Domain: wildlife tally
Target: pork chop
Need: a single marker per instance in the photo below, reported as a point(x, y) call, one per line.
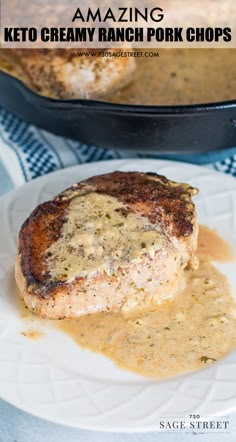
point(68, 73)
point(110, 242)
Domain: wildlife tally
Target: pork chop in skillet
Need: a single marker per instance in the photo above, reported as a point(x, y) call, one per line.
point(72, 73)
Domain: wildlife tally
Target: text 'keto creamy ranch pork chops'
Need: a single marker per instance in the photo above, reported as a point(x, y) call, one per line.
point(108, 243)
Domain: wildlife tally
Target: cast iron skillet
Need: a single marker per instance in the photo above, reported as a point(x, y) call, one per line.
point(153, 129)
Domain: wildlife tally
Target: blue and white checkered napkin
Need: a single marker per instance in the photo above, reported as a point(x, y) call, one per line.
point(27, 152)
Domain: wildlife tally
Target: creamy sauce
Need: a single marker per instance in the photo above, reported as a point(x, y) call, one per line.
point(177, 76)
point(97, 236)
point(34, 335)
point(194, 330)
point(29, 318)
point(182, 76)
point(211, 245)
point(23, 309)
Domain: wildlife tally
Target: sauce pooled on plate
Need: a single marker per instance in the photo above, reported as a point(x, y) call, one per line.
point(190, 332)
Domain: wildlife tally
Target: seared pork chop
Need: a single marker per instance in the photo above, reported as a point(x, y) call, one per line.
point(66, 73)
point(107, 243)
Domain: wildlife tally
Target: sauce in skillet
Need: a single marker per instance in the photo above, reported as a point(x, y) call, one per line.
point(182, 76)
point(191, 332)
point(178, 76)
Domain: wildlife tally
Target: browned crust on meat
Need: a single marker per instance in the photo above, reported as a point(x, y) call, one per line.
point(164, 202)
point(44, 67)
point(38, 232)
point(37, 63)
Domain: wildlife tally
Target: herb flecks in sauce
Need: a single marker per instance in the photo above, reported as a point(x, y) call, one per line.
point(34, 335)
point(191, 332)
point(91, 241)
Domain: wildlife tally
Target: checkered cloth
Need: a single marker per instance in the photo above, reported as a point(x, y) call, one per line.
point(27, 152)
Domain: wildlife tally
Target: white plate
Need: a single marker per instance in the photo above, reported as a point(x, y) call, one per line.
point(55, 379)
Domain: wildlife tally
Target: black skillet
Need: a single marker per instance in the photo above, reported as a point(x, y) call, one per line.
point(153, 129)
